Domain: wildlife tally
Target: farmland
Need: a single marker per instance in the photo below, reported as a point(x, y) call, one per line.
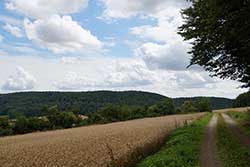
point(97, 145)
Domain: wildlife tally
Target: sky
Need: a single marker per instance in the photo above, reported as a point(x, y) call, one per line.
point(87, 45)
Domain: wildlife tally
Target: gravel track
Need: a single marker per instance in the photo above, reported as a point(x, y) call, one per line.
point(208, 151)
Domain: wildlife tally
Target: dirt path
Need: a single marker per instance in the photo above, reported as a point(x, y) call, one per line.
point(236, 130)
point(208, 156)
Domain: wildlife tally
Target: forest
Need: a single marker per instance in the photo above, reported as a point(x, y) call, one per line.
point(32, 103)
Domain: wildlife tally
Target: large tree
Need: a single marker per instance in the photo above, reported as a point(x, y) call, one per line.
point(220, 33)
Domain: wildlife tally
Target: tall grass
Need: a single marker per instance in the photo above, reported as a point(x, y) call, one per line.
point(231, 152)
point(182, 149)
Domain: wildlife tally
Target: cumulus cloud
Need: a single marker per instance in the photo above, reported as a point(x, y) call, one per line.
point(14, 30)
point(128, 75)
point(167, 57)
point(45, 8)
point(20, 80)
point(60, 34)
point(1, 38)
point(129, 8)
point(192, 80)
point(73, 81)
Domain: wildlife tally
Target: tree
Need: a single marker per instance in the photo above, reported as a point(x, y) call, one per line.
point(243, 100)
point(165, 107)
point(203, 104)
point(220, 34)
point(188, 107)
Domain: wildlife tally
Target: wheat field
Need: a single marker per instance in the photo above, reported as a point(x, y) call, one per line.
point(240, 109)
point(92, 146)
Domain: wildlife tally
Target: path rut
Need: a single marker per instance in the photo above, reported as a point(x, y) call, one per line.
point(208, 150)
point(233, 125)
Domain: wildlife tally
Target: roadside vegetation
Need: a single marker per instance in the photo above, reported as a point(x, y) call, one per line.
point(52, 118)
point(231, 152)
point(243, 118)
point(182, 148)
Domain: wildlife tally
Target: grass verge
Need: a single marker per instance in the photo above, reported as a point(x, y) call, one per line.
point(231, 152)
point(243, 118)
point(182, 148)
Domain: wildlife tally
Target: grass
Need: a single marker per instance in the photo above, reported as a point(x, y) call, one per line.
point(182, 148)
point(243, 118)
point(231, 152)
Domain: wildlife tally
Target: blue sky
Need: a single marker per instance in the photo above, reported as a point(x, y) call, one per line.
point(100, 44)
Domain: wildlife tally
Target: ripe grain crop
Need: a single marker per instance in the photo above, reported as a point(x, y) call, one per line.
point(114, 144)
point(241, 109)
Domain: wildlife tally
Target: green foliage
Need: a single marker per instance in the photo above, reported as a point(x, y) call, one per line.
point(231, 152)
point(243, 118)
point(216, 102)
point(243, 100)
point(5, 127)
point(4, 121)
point(182, 147)
point(114, 113)
point(219, 31)
point(165, 107)
point(188, 107)
point(203, 104)
point(33, 103)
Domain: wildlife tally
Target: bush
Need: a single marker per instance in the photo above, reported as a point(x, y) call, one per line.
point(203, 104)
point(5, 132)
point(188, 107)
point(243, 100)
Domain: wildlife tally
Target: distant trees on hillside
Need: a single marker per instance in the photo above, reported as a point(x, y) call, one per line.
point(201, 104)
point(53, 118)
point(243, 100)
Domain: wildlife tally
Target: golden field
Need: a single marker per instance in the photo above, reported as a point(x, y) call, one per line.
point(241, 109)
point(92, 146)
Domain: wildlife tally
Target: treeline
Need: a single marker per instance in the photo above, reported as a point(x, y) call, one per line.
point(114, 113)
point(31, 103)
point(53, 118)
point(216, 102)
point(243, 100)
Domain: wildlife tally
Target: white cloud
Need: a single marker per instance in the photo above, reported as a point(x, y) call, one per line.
point(14, 30)
point(60, 34)
point(129, 8)
point(168, 57)
point(1, 38)
point(192, 80)
point(103, 73)
point(10, 20)
point(168, 20)
point(20, 80)
point(46, 8)
point(73, 81)
point(130, 74)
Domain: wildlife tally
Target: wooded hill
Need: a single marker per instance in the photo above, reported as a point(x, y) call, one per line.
point(31, 103)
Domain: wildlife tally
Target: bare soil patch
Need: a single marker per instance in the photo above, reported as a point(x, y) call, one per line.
point(208, 152)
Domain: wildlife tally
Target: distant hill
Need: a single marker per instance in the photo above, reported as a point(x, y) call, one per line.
point(217, 102)
point(31, 103)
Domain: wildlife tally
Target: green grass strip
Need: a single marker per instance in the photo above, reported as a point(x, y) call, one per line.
point(231, 152)
point(182, 148)
point(243, 118)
